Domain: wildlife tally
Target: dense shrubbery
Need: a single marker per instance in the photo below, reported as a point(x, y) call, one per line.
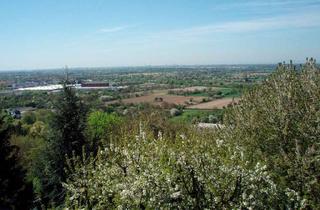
point(266, 156)
point(279, 123)
point(189, 171)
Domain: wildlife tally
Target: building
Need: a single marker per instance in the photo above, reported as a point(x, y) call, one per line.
point(15, 114)
point(210, 126)
point(95, 84)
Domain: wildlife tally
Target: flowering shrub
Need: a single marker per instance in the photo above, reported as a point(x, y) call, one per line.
point(195, 172)
point(279, 124)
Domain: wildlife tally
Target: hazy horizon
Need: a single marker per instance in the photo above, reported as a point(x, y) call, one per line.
point(63, 68)
point(107, 34)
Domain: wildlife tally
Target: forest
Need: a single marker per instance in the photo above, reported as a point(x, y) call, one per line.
point(77, 152)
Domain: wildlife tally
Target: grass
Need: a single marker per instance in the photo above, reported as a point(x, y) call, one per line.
point(230, 92)
point(225, 93)
point(188, 116)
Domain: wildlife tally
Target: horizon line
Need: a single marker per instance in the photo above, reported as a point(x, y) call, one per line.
point(135, 66)
point(140, 66)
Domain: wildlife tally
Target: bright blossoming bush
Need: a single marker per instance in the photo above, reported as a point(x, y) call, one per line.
point(197, 172)
point(279, 124)
point(265, 157)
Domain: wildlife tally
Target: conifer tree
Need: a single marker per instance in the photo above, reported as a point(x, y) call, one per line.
point(66, 138)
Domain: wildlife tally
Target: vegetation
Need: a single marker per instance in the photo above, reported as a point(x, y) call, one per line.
point(66, 137)
point(14, 191)
point(267, 156)
point(100, 126)
point(194, 116)
point(279, 123)
point(76, 153)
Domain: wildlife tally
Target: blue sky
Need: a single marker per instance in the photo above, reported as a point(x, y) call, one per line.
point(39, 34)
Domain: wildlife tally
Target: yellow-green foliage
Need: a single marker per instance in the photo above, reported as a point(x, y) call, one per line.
point(100, 124)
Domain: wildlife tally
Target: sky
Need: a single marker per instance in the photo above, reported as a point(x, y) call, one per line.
point(37, 34)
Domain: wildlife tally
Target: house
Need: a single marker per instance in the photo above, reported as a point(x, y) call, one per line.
point(210, 126)
point(15, 113)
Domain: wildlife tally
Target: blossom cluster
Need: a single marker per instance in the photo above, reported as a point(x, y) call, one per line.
point(201, 170)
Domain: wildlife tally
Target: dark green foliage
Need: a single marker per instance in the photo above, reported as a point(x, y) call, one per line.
point(66, 137)
point(27, 99)
point(29, 118)
point(69, 122)
point(14, 192)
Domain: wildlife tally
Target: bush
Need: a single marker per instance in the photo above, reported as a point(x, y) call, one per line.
point(279, 123)
point(99, 126)
point(29, 118)
point(175, 112)
point(266, 156)
point(187, 172)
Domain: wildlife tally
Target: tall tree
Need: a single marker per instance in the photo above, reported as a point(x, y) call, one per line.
point(66, 137)
point(13, 188)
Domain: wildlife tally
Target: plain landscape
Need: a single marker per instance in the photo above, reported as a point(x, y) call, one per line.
point(176, 104)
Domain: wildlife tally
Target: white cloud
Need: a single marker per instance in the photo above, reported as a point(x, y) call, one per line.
point(116, 29)
point(203, 33)
point(303, 20)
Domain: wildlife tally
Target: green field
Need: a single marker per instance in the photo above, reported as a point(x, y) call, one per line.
point(190, 116)
point(221, 92)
